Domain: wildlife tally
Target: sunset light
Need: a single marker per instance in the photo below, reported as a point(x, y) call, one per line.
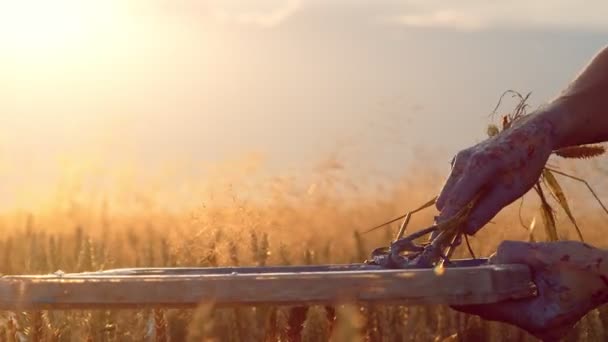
point(303, 170)
point(29, 28)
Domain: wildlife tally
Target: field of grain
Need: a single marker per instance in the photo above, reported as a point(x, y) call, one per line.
point(285, 222)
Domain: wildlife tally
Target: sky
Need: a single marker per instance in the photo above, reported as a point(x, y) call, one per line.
point(374, 84)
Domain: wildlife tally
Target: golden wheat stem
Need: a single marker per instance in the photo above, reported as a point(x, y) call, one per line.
point(466, 240)
point(521, 219)
point(424, 206)
point(403, 227)
point(584, 182)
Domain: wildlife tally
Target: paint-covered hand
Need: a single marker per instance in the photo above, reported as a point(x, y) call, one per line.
point(570, 278)
point(505, 167)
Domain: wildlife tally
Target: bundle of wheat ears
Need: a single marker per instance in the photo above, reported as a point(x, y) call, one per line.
point(451, 230)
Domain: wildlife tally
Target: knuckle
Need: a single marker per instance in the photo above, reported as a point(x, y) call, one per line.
point(461, 159)
point(482, 162)
point(482, 158)
point(463, 155)
point(477, 159)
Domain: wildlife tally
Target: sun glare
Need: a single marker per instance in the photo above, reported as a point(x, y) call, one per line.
point(30, 28)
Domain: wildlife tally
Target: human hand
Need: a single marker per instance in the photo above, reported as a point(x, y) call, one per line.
point(571, 279)
point(505, 167)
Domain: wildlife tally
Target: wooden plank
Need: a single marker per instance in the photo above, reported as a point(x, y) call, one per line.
point(187, 287)
point(257, 269)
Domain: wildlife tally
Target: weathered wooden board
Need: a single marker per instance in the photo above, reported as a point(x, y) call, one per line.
point(182, 287)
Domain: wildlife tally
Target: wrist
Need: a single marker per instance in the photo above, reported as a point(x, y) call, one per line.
point(557, 121)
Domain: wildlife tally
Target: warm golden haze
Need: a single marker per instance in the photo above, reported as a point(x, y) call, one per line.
point(291, 225)
point(56, 33)
point(224, 132)
point(148, 82)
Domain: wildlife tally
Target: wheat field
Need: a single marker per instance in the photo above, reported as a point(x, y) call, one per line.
point(286, 222)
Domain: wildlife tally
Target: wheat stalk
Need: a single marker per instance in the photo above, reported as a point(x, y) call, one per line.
point(547, 178)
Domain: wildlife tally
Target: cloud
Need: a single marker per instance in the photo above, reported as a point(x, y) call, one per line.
point(516, 14)
point(469, 15)
point(257, 13)
point(442, 19)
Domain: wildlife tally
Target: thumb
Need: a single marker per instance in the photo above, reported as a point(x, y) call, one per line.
point(519, 252)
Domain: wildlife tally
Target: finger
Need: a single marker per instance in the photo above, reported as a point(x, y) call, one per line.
point(519, 252)
point(488, 206)
point(453, 177)
point(458, 165)
point(465, 190)
point(511, 252)
point(540, 254)
point(526, 314)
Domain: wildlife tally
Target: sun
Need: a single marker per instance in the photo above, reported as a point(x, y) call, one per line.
point(29, 28)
